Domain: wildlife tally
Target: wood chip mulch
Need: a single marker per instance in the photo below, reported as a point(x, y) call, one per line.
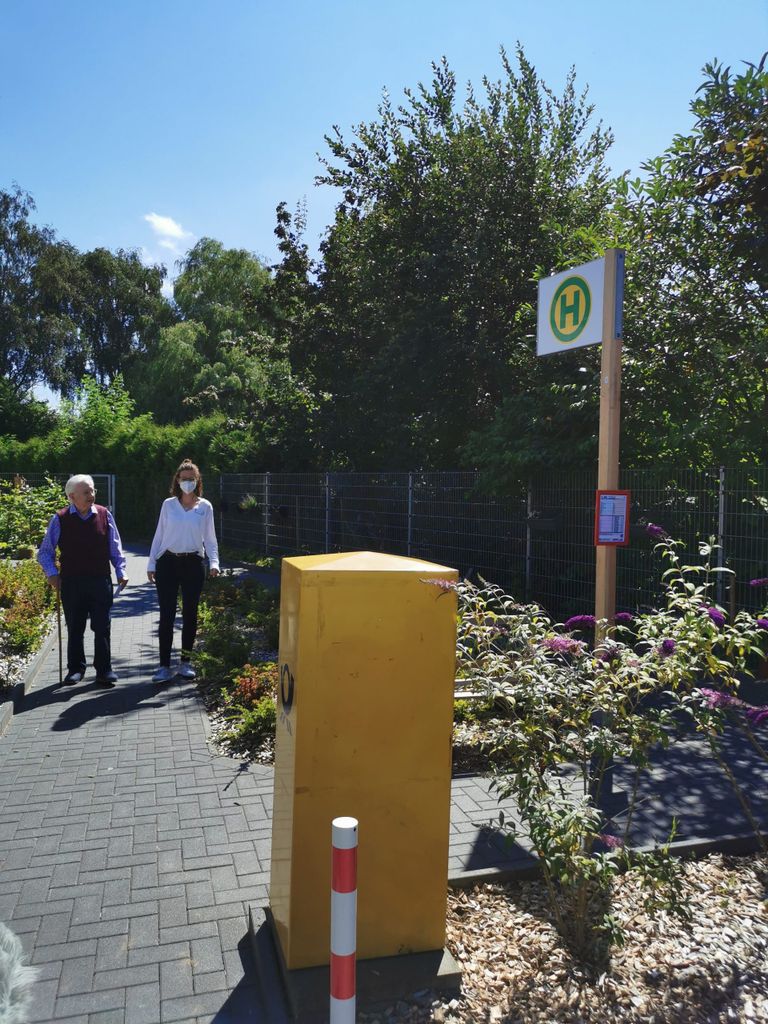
point(516, 969)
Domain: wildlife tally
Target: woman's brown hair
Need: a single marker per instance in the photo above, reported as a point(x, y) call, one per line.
point(175, 490)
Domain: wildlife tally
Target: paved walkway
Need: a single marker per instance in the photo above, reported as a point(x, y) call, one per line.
point(129, 851)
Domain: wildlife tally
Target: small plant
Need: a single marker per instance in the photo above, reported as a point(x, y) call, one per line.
point(25, 513)
point(253, 684)
point(25, 601)
point(577, 700)
point(253, 724)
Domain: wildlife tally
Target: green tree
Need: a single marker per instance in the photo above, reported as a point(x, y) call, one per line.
point(32, 337)
point(119, 310)
point(696, 369)
point(695, 362)
point(423, 316)
point(23, 416)
point(226, 290)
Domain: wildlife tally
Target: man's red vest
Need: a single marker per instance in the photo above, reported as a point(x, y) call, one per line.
point(84, 543)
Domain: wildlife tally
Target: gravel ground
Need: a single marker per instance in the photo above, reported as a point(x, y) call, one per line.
point(517, 971)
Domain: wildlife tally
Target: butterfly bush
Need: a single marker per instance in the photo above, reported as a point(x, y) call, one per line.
point(573, 709)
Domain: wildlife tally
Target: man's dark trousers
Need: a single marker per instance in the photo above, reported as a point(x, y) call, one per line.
point(81, 597)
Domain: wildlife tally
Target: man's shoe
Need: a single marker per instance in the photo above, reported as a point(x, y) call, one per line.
point(72, 679)
point(162, 675)
point(186, 671)
point(106, 680)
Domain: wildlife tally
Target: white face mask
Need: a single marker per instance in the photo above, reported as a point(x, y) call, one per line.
point(187, 485)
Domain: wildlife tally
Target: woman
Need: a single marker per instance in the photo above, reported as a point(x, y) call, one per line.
point(184, 534)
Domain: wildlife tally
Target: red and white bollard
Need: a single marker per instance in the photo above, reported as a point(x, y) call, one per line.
point(343, 920)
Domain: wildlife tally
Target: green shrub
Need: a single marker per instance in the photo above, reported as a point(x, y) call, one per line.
point(25, 513)
point(25, 601)
point(252, 724)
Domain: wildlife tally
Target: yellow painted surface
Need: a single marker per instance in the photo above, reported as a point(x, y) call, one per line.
point(367, 656)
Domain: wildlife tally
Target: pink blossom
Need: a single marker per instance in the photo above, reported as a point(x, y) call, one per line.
point(446, 585)
point(562, 645)
point(718, 699)
point(612, 842)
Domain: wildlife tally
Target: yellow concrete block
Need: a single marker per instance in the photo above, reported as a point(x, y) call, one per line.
point(365, 714)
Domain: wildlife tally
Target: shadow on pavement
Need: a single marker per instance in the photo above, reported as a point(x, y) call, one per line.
point(244, 1002)
point(124, 699)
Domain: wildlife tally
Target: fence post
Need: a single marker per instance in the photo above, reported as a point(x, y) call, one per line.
point(528, 543)
point(266, 513)
point(410, 512)
point(720, 532)
point(327, 513)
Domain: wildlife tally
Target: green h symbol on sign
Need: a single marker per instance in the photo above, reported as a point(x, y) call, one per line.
point(570, 308)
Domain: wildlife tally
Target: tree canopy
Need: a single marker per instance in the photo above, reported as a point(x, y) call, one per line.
point(409, 340)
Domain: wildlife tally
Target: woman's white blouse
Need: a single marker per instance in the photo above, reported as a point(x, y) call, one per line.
point(180, 529)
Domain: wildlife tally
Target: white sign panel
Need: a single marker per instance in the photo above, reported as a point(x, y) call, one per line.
point(570, 310)
point(612, 511)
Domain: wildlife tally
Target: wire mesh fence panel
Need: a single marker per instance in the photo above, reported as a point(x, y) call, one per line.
point(455, 524)
point(242, 501)
point(368, 512)
point(538, 546)
point(297, 513)
point(685, 503)
point(562, 558)
point(746, 535)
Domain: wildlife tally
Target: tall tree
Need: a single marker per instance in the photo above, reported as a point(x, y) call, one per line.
point(32, 337)
point(423, 315)
point(695, 363)
point(119, 310)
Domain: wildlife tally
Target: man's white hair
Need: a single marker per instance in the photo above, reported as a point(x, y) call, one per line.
point(76, 480)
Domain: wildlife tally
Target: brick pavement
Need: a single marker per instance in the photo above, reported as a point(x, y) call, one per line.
point(129, 852)
point(128, 849)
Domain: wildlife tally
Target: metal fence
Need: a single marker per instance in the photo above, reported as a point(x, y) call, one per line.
point(105, 484)
point(538, 544)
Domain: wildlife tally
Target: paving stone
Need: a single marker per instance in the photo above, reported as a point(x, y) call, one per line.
point(77, 975)
point(176, 978)
point(143, 1004)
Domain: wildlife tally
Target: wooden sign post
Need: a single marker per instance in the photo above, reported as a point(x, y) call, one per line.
point(610, 424)
point(578, 307)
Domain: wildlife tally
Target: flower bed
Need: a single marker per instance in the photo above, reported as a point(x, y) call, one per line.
point(26, 601)
point(236, 663)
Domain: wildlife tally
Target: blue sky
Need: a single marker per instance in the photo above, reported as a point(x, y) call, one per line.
point(147, 125)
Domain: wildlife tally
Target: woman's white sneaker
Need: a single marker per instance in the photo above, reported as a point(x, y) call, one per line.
point(162, 675)
point(185, 670)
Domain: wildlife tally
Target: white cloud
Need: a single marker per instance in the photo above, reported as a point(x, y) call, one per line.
point(166, 227)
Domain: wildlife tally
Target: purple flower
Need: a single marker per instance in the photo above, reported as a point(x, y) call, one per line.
point(762, 582)
point(562, 645)
point(612, 842)
point(657, 532)
point(717, 699)
point(667, 647)
point(580, 622)
point(715, 615)
point(445, 585)
point(609, 653)
point(623, 618)
point(755, 716)
point(762, 623)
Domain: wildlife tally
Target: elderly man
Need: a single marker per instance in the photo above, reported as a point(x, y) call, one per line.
point(87, 539)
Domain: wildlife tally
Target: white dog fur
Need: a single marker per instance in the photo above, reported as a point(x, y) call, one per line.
point(15, 979)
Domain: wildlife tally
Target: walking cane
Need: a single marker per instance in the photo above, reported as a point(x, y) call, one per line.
point(58, 624)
